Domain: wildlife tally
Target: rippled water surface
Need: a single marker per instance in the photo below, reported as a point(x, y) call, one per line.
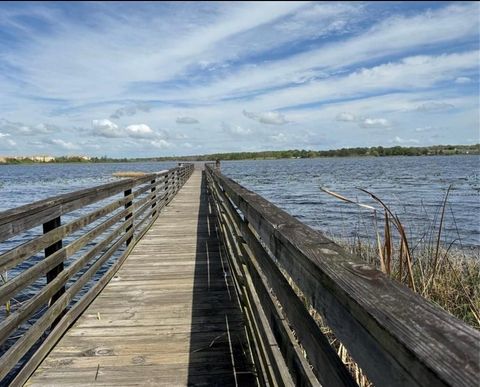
point(26, 183)
point(414, 187)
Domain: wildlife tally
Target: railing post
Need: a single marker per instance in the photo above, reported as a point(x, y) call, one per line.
point(154, 198)
point(49, 250)
point(177, 180)
point(166, 184)
point(128, 204)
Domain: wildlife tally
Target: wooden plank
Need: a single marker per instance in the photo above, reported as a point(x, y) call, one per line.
point(10, 288)
point(12, 321)
point(326, 364)
point(15, 256)
point(17, 220)
point(163, 314)
point(396, 336)
point(49, 250)
point(25, 217)
point(53, 261)
point(29, 338)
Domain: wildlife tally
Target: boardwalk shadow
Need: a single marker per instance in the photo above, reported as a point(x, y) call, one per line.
point(219, 354)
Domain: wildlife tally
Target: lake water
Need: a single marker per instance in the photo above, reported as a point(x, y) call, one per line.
point(414, 188)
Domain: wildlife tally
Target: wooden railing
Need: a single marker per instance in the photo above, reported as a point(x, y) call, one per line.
point(72, 269)
point(397, 337)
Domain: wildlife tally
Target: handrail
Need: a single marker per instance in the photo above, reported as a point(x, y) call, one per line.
point(109, 232)
point(396, 336)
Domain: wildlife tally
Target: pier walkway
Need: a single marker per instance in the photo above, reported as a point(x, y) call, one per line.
point(170, 315)
point(184, 277)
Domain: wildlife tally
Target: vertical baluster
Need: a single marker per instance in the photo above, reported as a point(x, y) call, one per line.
point(127, 205)
point(154, 198)
point(49, 250)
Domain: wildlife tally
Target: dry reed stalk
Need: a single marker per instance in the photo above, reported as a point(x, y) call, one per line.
point(454, 285)
point(4, 278)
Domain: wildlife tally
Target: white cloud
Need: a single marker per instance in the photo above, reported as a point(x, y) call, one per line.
point(463, 80)
point(400, 140)
point(186, 120)
point(64, 144)
point(11, 142)
point(106, 128)
point(375, 123)
point(270, 118)
point(434, 106)
point(160, 143)
point(139, 131)
point(213, 60)
point(235, 129)
point(407, 74)
point(347, 117)
point(18, 128)
point(4, 134)
point(364, 122)
point(391, 36)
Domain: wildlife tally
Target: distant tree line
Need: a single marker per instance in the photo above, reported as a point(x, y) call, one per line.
point(377, 151)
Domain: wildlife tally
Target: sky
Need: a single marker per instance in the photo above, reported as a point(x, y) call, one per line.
point(133, 79)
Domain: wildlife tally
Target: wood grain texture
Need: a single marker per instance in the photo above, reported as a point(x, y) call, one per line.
point(325, 362)
point(168, 317)
point(398, 337)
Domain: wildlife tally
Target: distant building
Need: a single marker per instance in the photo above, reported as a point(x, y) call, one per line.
point(42, 158)
point(36, 159)
point(79, 157)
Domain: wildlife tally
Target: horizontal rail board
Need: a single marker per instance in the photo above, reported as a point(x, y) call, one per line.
point(122, 221)
point(396, 336)
point(17, 220)
point(15, 256)
point(325, 361)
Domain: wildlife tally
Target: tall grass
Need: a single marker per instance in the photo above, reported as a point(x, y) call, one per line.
point(440, 272)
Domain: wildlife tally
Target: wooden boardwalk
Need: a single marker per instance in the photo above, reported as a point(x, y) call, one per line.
point(170, 316)
point(191, 299)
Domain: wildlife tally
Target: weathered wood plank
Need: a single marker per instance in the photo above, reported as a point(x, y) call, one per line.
point(397, 336)
point(25, 217)
point(266, 275)
point(140, 217)
point(15, 256)
point(164, 313)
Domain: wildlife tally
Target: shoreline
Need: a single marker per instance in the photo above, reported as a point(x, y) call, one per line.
point(378, 151)
point(188, 158)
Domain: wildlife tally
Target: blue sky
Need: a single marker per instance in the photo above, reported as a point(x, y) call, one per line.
point(144, 79)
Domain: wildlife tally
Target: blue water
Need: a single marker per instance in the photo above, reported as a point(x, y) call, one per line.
point(26, 183)
point(414, 188)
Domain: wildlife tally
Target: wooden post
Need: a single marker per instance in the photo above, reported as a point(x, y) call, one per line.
point(166, 184)
point(154, 198)
point(217, 165)
point(128, 204)
point(49, 250)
